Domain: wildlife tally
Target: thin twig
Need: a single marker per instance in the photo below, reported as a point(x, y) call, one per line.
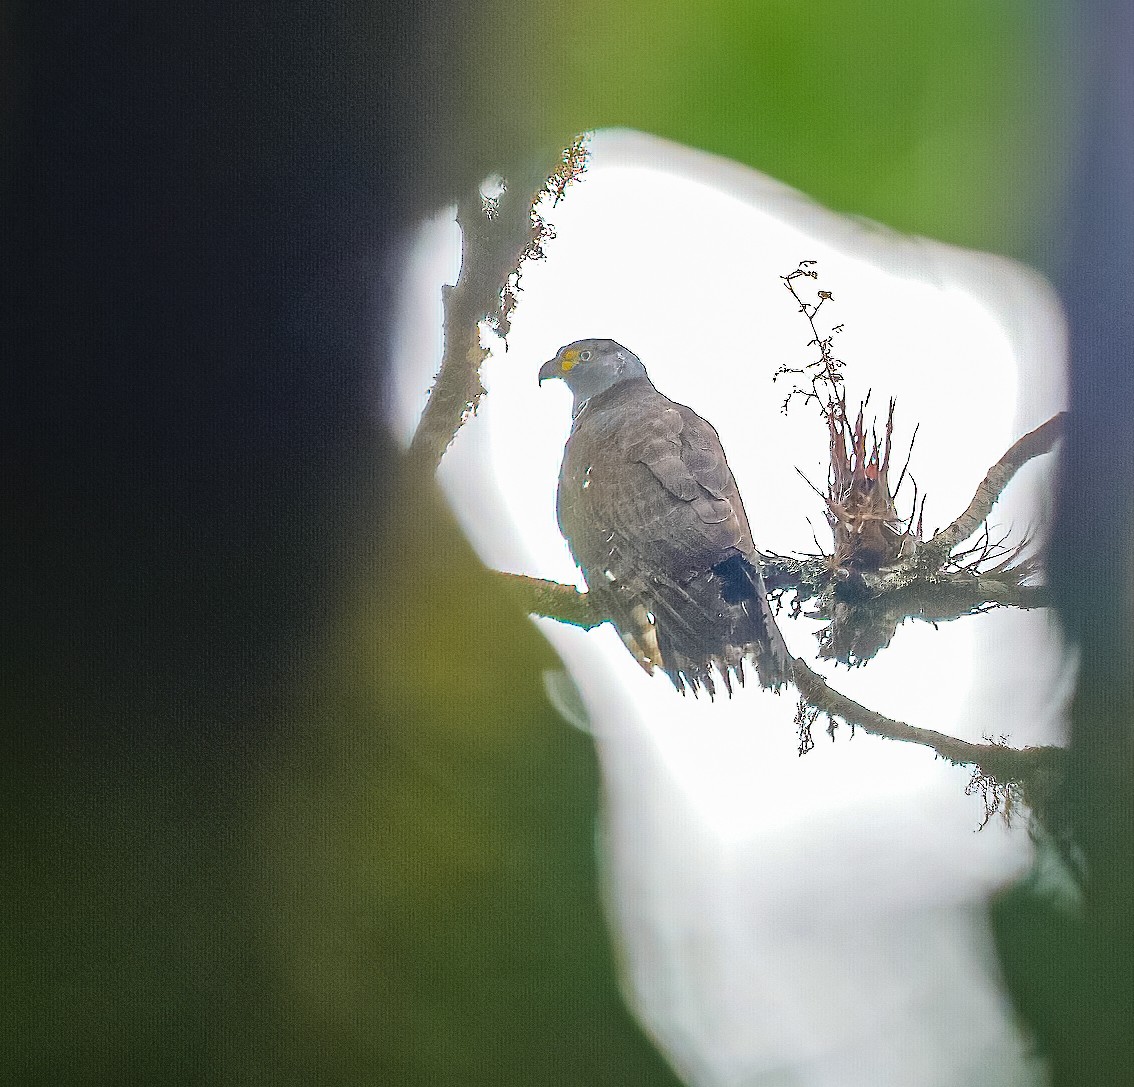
point(905, 468)
point(826, 368)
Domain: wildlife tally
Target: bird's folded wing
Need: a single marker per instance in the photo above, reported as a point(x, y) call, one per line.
point(684, 454)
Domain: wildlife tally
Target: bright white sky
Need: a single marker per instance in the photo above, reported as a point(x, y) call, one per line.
point(678, 255)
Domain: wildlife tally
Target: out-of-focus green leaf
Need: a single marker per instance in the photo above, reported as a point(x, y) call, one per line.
point(937, 119)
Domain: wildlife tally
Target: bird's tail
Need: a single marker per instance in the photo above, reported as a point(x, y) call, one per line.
point(717, 622)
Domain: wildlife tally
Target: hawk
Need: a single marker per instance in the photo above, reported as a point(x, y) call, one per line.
point(652, 515)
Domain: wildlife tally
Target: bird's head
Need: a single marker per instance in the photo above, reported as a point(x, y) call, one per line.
point(590, 366)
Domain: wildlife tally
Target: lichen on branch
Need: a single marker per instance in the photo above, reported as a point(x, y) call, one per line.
point(1033, 444)
point(498, 235)
point(1000, 771)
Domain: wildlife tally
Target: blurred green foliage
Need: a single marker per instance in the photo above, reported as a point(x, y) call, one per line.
point(937, 119)
point(434, 860)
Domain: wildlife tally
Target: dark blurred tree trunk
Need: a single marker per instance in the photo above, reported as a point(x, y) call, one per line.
point(1073, 973)
point(194, 220)
point(202, 209)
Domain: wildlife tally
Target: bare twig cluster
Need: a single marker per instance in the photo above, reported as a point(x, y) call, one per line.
point(824, 375)
point(879, 570)
point(861, 509)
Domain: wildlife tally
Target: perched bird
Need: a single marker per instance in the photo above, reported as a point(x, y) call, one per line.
point(652, 515)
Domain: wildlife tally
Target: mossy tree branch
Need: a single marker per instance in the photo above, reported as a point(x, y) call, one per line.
point(1000, 771)
point(930, 581)
point(1029, 768)
point(490, 252)
point(1003, 763)
point(552, 600)
point(1033, 444)
point(498, 234)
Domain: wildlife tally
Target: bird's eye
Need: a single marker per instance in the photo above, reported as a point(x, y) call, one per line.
point(584, 356)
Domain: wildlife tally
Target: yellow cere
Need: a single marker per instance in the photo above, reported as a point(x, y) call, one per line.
point(570, 358)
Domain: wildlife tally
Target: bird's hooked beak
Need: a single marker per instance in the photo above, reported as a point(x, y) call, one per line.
point(566, 359)
point(550, 368)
